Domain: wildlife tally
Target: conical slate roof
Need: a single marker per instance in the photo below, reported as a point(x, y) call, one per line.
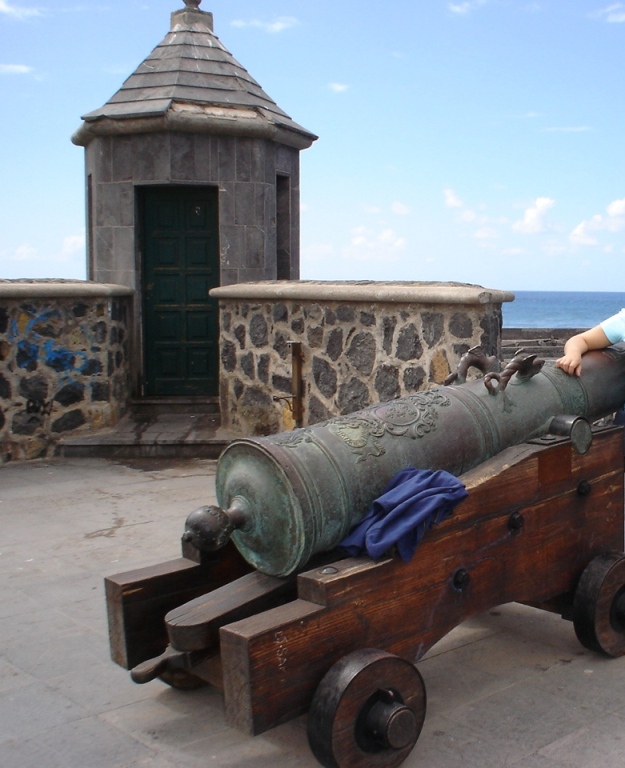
point(191, 82)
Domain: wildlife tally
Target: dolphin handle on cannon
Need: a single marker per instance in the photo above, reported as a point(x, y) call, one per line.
point(265, 605)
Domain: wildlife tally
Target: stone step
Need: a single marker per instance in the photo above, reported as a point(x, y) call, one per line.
point(149, 435)
point(538, 347)
point(552, 354)
point(560, 334)
point(155, 406)
point(525, 343)
point(545, 342)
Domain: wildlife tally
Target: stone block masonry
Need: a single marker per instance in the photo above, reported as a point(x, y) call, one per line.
point(362, 343)
point(64, 362)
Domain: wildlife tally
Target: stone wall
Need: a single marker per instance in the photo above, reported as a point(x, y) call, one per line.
point(64, 362)
point(362, 343)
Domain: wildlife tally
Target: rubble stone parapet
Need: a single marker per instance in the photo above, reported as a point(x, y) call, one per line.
point(362, 343)
point(64, 362)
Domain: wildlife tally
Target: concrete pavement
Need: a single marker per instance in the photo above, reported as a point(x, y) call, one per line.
point(511, 687)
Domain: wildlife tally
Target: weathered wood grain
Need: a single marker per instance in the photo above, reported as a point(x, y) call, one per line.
point(195, 625)
point(138, 600)
point(273, 661)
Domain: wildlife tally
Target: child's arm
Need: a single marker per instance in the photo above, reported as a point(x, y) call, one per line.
point(578, 345)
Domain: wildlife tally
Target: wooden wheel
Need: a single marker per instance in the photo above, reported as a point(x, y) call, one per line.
point(599, 605)
point(367, 712)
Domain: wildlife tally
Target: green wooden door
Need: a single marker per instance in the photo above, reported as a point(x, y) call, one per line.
point(180, 264)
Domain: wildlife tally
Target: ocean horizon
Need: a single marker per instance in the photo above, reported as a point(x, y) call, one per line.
point(560, 309)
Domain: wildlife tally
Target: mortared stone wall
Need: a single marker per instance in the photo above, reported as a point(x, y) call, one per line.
point(64, 362)
point(362, 343)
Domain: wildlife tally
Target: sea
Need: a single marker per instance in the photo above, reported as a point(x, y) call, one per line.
point(560, 309)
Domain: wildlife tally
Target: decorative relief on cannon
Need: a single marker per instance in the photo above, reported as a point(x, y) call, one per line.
point(525, 366)
point(362, 436)
point(473, 358)
point(414, 416)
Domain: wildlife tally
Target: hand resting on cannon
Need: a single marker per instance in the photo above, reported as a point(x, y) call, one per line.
point(610, 331)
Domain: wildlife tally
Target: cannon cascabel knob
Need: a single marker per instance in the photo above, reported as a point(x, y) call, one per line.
point(209, 528)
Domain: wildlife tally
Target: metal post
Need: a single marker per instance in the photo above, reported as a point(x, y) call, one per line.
point(296, 382)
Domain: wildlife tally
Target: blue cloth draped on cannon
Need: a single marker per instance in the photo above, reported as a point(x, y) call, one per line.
point(414, 501)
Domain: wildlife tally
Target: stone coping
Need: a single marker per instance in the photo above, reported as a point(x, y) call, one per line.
point(170, 117)
point(364, 291)
point(44, 289)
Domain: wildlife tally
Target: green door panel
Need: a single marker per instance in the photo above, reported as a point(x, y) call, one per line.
point(180, 265)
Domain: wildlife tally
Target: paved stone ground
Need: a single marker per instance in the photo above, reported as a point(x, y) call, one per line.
point(509, 688)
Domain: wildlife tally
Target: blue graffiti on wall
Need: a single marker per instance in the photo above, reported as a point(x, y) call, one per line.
point(58, 358)
point(31, 347)
point(27, 354)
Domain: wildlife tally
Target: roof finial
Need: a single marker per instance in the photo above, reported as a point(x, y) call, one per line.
point(193, 4)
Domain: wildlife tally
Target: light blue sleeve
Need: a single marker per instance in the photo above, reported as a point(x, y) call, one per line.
point(614, 327)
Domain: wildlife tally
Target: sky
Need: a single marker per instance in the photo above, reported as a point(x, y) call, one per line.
point(479, 141)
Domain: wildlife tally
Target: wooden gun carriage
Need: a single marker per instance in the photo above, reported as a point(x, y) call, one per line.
point(340, 638)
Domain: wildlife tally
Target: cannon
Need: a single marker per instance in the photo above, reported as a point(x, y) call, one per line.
point(265, 605)
point(312, 484)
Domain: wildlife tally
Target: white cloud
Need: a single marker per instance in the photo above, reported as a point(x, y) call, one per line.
point(533, 218)
point(466, 7)
point(401, 209)
point(32, 260)
point(581, 234)
point(585, 232)
point(452, 200)
point(465, 214)
point(368, 245)
point(15, 69)
point(279, 25)
point(617, 208)
point(25, 252)
point(338, 87)
point(614, 14)
point(17, 12)
point(73, 244)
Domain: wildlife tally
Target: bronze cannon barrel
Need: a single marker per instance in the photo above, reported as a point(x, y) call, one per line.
point(291, 495)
